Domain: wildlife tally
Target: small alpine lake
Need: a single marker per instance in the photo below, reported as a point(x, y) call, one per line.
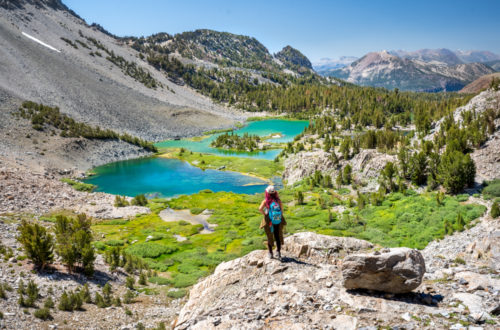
point(168, 177)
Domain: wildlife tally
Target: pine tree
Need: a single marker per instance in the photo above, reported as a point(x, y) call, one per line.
point(64, 303)
point(74, 242)
point(300, 198)
point(143, 279)
point(37, 243)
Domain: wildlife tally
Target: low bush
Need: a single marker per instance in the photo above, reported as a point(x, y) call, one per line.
point(196, 210)
point(183, 280)
point(140, 200)
point(159, 280)
point(176, 294)
point(150, 250)
point(115, 242)
point(43, 314)
point(80, 186)
point(492, 189)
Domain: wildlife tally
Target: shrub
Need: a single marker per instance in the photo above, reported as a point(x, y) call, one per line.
point(150, 250)
point(49, 303)
point(121, 201)
point(65, 303)
point(38, 244)
point(115, 242)
point(75, 300)
point(3, 290)
point(106, 294)
point(159, 280)
point(85, 294)
point(79, 186)
point(183, 280)
point(130, 281)
point(492, 189)
point(117, 302)
point(99, 245)
point(176, 294)
point(128, 298)
point(32, 292)
point(161, 326)
point(143, 279)
point(495, 210)
point(99, 300)
point(43, 314)
point(196, 210)
point(140, 200)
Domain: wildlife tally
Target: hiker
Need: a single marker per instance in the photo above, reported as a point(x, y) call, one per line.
point(273, 221)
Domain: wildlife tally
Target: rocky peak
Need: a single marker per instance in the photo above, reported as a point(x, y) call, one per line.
point(291, 57)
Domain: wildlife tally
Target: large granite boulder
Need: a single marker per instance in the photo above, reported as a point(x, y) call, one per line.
point(397, 270)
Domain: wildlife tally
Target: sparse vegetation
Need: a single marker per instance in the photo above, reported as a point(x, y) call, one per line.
point(43, 117)
point(236, 142)
point(79, 186)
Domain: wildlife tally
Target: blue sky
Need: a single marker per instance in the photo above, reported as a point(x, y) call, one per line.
point(317, 28)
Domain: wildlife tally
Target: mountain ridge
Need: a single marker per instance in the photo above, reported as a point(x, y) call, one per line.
point(383, 69)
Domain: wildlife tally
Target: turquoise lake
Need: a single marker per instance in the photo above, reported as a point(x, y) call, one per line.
point(164, 177)
point(288, 129)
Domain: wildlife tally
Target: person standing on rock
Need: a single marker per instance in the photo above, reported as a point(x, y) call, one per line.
point(273, 222)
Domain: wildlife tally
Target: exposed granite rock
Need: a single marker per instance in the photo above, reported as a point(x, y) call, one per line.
point(397, 270)
point(305, 163)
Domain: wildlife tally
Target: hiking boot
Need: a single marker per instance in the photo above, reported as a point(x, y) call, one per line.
point(270, 255)
point(279, 255)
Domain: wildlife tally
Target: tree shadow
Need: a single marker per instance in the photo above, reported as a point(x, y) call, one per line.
point(99, 277)
point(416, 298)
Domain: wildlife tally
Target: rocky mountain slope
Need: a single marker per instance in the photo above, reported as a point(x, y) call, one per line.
point(382, 69)
point(480, 83)
point(50, 56)
point(305, 290)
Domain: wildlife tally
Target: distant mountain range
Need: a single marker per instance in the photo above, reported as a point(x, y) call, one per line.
point(325, 65)
point(422, 70)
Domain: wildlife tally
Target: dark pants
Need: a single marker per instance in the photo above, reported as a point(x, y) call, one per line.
point(276, 234)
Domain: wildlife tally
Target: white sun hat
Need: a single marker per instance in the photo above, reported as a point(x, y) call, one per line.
point(270, 189)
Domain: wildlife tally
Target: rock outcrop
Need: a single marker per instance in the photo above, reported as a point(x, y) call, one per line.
point(305, 163)
point(366, 166)
point(398, 270)
point(254, 291)
point(305, 290)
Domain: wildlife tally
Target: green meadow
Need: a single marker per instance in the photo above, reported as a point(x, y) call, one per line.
point(408, 219)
